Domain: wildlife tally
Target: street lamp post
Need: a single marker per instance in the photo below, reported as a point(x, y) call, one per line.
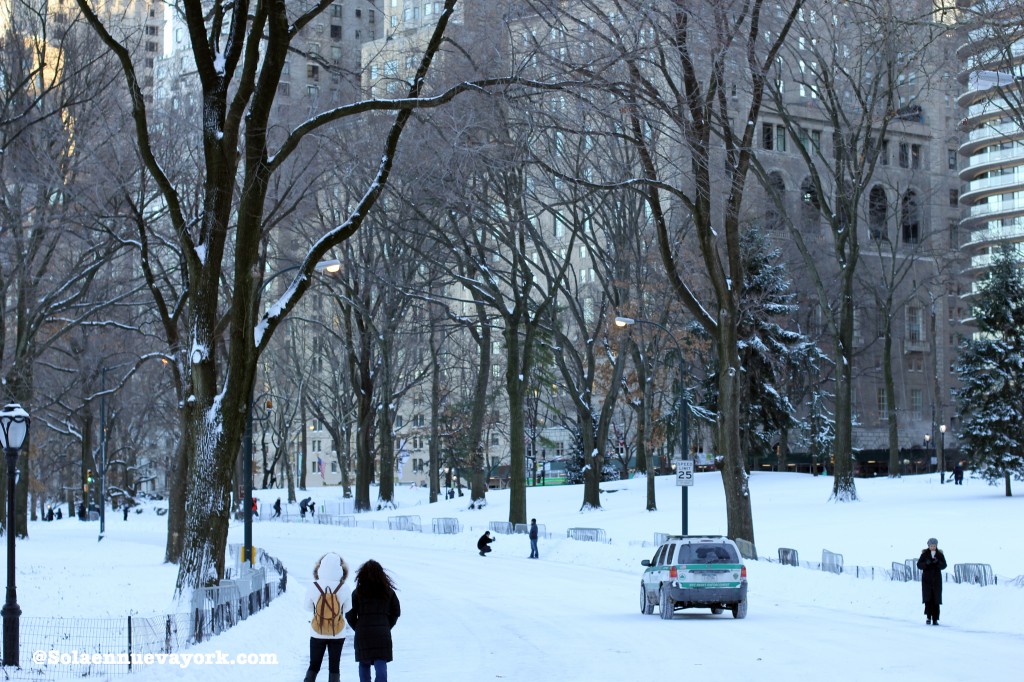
point(101, 466)
point(14, 423)
point(928, 449)
point(942, 453)
point(684, 409)
point(331, 266)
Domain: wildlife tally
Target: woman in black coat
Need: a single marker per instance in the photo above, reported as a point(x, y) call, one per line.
point(932, 562)
point(375, 610)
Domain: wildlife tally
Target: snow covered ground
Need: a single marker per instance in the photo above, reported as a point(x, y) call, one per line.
point(574, 616)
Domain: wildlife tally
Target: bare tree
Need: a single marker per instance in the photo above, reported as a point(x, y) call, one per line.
point(855, 77)
point(670, 68)
point(239, 52)
point(55, 226)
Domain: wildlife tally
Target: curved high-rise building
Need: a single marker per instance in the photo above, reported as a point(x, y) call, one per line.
point(993, 144)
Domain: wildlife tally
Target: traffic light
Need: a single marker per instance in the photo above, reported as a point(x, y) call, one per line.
point(88, 476)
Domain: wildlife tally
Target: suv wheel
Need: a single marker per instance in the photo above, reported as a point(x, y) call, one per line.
point(740, 610)
point(646, 607)
point(665, 605)
point(716, 610)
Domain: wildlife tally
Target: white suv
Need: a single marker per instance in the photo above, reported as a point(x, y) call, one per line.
point(695, 571)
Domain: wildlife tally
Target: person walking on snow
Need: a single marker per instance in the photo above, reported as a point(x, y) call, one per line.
point(534, 554)
point(932, 562)
point(484, 543)
point(277, 508)
point(327, 627)
point(375, 610)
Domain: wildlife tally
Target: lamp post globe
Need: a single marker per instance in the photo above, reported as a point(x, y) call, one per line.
point(14, 423)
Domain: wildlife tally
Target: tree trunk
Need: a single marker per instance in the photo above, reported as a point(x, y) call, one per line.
point(289, 474)
point(592, 463)
point(890, 398)
point(843, 487)
point(300, 456)
point(364, 452)
point(734, 475)
point(515, 388)
point(478, 481)
point(1006, 480)
point(217, 432)
point(386, 490)
point(434, 445)
point(178, 481)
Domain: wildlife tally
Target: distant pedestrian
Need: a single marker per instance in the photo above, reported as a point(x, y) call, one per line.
point(81, 511)
point(303, 507)
point(375, 610)
point(958, 473)
point(534, 554)
point(484, 543)
point(60, 514)
point(255, 507)
point(312, 508)
point(124, 510)
point(329, 598)
point(49, 513)
point(932, 562)
point(277, 508)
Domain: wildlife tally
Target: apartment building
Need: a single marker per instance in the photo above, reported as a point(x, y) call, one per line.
point(992, 150)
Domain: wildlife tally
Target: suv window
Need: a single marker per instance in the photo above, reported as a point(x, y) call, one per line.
point(671, 551)
point(707, 554)
point(659, 555)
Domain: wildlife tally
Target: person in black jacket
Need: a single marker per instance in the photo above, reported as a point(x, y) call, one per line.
point(375, 610)
point(534, 534)
point(484, 543)
point(932, 562)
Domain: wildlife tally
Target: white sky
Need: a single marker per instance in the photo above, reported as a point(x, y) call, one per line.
point(574, 615)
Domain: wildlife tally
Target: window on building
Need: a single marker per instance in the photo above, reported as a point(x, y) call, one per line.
point(916, 403)
point(312, 72)
point(878, 214)
point(910, 220)
point(398, 422)
point(951, 158)
point(954, 197)
point(780, 138)
point(777, 191)
point(767, 136)
point(334, 467)
point(882, 404)
point(915, 156)
point(810, 205)
point(915, 324)
point(883, 154)
point(904, 155)
point(335, 32)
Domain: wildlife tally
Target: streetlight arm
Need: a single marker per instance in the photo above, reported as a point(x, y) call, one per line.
point(278, 311)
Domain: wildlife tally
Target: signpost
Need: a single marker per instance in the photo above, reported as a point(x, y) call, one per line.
point(684, 472)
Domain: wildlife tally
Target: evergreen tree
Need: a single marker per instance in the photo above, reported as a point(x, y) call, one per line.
point(574, 463)
point(990, 401)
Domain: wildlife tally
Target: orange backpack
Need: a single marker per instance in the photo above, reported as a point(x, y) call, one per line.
point(327, 616)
